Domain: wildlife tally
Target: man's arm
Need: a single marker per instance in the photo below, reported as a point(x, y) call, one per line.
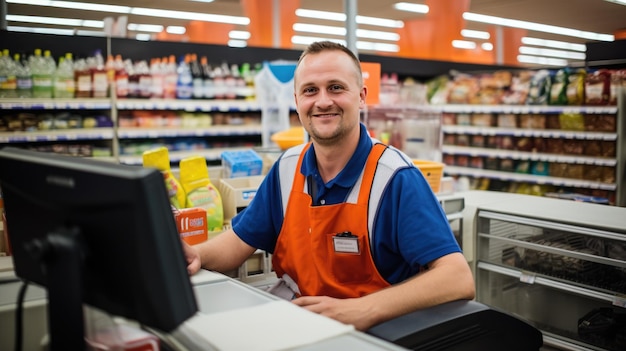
point(448, 278)
point(223, 253)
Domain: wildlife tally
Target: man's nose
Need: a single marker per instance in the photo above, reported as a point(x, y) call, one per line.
point(324, 99)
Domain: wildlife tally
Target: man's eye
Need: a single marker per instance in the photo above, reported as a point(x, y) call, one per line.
point(309, 90)
point(335, 87)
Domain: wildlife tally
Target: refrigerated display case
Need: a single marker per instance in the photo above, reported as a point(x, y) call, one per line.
point(560, 265)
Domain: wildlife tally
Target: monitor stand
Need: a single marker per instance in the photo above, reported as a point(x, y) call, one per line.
point(61, 259)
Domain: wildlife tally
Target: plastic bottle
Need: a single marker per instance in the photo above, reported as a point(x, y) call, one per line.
point(194, 176)
point(184, 84)
point(82, 77)
point(158, 77)
point(159, 158)
point(198, 77)
point(24, 78)
point(64, 84)
point(42, 70)
point(121, 77)
point(209, 87)
point(8, 78)
point(170, 77)
point(99, 76)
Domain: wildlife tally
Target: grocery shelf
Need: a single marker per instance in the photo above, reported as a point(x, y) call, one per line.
point(188, 105)
point(55, 104)
point(519, 132)
point(216, 130)
point(57, 135)
point(213, 154)
point(530, 156)
point(527, 109)
point(528, 178)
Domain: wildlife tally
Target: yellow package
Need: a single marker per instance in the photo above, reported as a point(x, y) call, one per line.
point(194, 177)
point(159, 158)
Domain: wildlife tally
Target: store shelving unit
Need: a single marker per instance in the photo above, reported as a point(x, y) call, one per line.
point(613, 163)
point(112, 136)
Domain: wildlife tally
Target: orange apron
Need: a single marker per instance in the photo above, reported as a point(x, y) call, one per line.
point(325, 250)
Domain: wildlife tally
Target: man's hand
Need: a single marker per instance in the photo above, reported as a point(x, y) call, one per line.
point(348, 311)
point(192, 257)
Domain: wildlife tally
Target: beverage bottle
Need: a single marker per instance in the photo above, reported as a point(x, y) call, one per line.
point(197, 75)
point(82, 77)
point(99, 76)
point(42, 68)
point(158, 77)
point(64, 84)
point(219, 83)
point(248, 79)
point(145, 79)
point(184, 84)
point(23, 78)
point(209, 87)
point(230, 82)
point(240, 83)
point(170, 78)
point(121, 76)
point(8, 79)
point(133, 80)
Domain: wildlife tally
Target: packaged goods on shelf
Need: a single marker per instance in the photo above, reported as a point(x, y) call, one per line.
point(241, 163)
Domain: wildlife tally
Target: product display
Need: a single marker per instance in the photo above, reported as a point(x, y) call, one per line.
point(159, 159)
point(201, 192)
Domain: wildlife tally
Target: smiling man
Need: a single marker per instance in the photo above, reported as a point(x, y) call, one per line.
point(355, 230)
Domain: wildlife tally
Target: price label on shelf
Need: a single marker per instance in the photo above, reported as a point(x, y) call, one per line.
point(619, 300)
point(528, 278)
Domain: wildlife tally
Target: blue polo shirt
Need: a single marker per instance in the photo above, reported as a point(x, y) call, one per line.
point(410, 229)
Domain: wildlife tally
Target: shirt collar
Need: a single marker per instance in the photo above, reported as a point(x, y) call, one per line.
point(349, 175)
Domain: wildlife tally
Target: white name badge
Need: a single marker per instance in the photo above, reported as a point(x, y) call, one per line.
point(346, 243)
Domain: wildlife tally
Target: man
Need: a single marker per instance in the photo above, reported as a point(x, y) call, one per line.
point(355, 230)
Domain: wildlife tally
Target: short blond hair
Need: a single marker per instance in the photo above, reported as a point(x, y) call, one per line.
point(327, 45)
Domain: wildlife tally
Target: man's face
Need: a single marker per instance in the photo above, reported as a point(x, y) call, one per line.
point(328, 95)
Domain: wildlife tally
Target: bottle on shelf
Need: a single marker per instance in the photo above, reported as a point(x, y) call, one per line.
point(230, 82)
point(248, 77)
point(209, 86)
point(42, 69)
point(82, 77)
point(197, 75)
point(170, 77)
point(64, 84)
point(219, 83)
point(121, 76)
point(145, 79)
point(99, 76)
point(23, 78)
point(240, 83)
point(184, 84)
point(8, 79)
point(158, 77)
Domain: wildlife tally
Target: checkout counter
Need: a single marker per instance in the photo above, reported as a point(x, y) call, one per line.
point(234, 315)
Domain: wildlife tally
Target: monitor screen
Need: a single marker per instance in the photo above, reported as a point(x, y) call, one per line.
point(95, 231)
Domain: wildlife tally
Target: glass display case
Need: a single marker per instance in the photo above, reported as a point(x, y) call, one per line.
point(559, 265)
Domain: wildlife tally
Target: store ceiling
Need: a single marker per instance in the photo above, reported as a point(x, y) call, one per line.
point(586, 15)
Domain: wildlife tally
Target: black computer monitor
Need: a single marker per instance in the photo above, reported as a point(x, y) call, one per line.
point(98, 233)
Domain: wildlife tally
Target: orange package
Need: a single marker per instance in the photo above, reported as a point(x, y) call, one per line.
point(192, 224)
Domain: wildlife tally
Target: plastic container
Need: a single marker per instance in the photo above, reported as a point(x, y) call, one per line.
point(194, 176)
point(432, 171)
point(159, 158)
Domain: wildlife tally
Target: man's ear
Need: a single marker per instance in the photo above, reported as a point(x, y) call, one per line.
point(363, 96)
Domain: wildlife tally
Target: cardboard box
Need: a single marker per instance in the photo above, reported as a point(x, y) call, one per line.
point(241, 163)
point(237, 193)
point(192, 224)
